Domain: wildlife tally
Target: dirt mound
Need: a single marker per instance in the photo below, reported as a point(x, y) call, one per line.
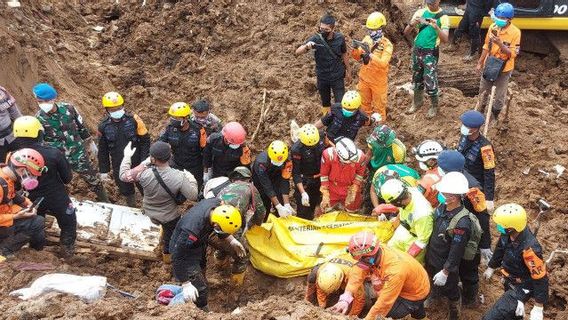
point(230, 53)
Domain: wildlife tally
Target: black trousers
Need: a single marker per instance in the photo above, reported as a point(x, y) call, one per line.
point(450, 290)
point(312, 188)
point(504, 308)
point(30, 230)
point(403, 307)
point(167, 232)
point(325, 87)
point(469, 277)
point(471, 24)
point(63, 210)
point(7, 147)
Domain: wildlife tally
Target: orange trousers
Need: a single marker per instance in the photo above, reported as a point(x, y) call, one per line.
point(374, 97)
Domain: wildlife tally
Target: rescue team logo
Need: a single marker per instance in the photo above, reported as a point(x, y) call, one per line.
point(534, 263)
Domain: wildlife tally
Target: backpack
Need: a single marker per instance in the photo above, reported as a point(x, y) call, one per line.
point(472, 245)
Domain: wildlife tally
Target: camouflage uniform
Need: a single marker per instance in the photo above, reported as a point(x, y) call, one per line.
point(64, 130)
point(211, 123)
point(425, 72)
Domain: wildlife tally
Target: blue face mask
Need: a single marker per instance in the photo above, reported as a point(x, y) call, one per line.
point(347, 113)
point(501, 229)
point(117, 114)
point(376, 35)
point(441, 198)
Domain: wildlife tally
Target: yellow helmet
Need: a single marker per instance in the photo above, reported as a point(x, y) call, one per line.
point(278, 151)
point(27, 127)
point(351, 100)
point(376, 20)
point(228, 218)
point(393, 190)
point(309, 135)
point(511, 215)
point(179, 109)
point(112, 100)
point(330, 277)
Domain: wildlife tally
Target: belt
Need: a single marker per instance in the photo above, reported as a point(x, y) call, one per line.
point(6, 132)
point(426, 50)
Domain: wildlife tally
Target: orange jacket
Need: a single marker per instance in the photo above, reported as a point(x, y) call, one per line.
point(376, 71)
point(10, 202)
point(428, 180)
point(511, 37)
point(397, 274)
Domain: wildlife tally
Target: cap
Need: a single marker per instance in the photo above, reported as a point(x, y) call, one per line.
point(451, 160)
point(242, 171)
point(44, 91)
point(472, 119)
point(200, 106)
point(160, 150)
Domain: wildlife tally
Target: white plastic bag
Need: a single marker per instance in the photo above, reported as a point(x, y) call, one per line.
point(87, 288)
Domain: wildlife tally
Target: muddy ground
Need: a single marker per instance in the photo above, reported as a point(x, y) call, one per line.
point(230, 52)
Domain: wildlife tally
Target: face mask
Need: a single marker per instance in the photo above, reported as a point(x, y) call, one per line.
point(441, 172)
point(347, 113)
point(201, 121)
point(234, 146)
point(117, 114)
point(176, 123)
point(500, 23)
point(376, 35)
point(464, 130)
point(276, 163)
point(441, 198)
point(29, 182)
point(46, 107)
point(423, 166)
point(502, 230)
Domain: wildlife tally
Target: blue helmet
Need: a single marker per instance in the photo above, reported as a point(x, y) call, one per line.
point(505, 10)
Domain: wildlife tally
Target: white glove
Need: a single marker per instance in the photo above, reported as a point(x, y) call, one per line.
point(105, 177)
point(238, 247)
point(376, 117)
point(93, 149)
point(536, 313)
point(490, 206)
point(488, 273)
point(310, 44)
point(305, 199)
point(282, 211)
point(128, 150)
point(382, 217)
point(289, 208)
point(189, 292)
point(486, 255)
point(520, 310)
point(440, 279)
point(207, 175)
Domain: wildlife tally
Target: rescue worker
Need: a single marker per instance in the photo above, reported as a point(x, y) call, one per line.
point(433, 27)
point(163, 188)
point(343, 171)
point(427, 155)
point(415, 214)
point(52, 182)
point(187, 140)
point(478, 153)
point(201, 114)
point(519, 255)
point(470, 23)
point(503, 41)
point(271, 173)
point(400, 282)
point(225, 151)
point(390, 171)
point(453, 239)
point(329, 279)
point(345, 119)
point(384, 148)
point(375, 52)
point(306, 164)
point(188, 245)
point(9, 112)
point(63, 128)
point(19, 222)
point(332, 61)
point(243, 195)
point(115, 131)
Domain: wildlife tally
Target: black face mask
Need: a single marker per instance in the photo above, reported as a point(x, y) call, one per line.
point(176, 123)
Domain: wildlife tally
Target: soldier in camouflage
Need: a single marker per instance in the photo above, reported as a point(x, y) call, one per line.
point(64, 129)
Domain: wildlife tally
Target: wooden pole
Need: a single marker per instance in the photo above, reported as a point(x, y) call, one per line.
point(488, 111)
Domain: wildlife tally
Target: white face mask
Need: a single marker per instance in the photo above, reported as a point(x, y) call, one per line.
point(234, 146)
point(117, 114)
point(46, 106)
point(423, 166)
point(464, 130)
point(276, 163)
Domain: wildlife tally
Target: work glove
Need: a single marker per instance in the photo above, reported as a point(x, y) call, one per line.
point(93, 149)
point(384, 208)
point(289, 208)
point(536, 313)
point(305, 199)
point(366, 58)
point(488, 273)
point(381, 217)
point(415, 248)
point(376, 117)
point(440, 279)
point(129, 151)
point(343, 304)
point(325, 201)
point(282, 211)
point(105, 177)
point(189, 292)
point(207, 175)
point(238, 247)
point(490, 206)
point(520, 310)
point(486, 255)
point(351, 195)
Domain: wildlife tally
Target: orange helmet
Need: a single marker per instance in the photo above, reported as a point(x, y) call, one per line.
point(30, 159)
point(363, 244)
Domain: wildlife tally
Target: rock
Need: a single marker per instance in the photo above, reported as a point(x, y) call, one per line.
point(46, 8)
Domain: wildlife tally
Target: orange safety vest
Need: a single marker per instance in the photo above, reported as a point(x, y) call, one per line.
point(7, 193)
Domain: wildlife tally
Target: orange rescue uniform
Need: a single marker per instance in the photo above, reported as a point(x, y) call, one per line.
point(10, 202)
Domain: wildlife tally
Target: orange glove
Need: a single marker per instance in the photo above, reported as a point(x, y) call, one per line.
point(384, 208)
point(325, 201)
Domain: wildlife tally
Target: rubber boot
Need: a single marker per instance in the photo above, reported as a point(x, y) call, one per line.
point(417, 101)
point(131, 200)
point(470, 296)
point(101, 193)
point(325, 110)
point(167, 258)
point(433, 111)
point(221, 259)
point(67, 250)
point(237, 279)
point(454, 310)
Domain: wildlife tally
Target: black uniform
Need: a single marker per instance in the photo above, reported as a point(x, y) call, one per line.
point(188, 247)
point(340, 126)
point(446, 249)
point(51, 187)
point(330, 69)
point(527, 278)
point(471, 22)
point(187, 149)
point(270, 180)
point(114, 135)
point(306, 163)
point(218, 156)
point(480, 162)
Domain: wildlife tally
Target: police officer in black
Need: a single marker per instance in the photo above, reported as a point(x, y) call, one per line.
point(29, 134)
point(478, 153)
point(332, 61)
point(115, 131)
point(519, 255)
point(471, 24)
point(306, 162)
point(187, 140)
point(188, 244)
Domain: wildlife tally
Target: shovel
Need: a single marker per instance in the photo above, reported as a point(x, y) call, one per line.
point(122, 293)
point(543, 207)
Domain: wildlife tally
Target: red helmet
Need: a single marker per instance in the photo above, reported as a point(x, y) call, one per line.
point(363, 244)
point(29, 159)
point(234, 133)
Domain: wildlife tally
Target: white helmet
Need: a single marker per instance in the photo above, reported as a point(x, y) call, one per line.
point(453, 183)
point(346, 149)
point(428, 149)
